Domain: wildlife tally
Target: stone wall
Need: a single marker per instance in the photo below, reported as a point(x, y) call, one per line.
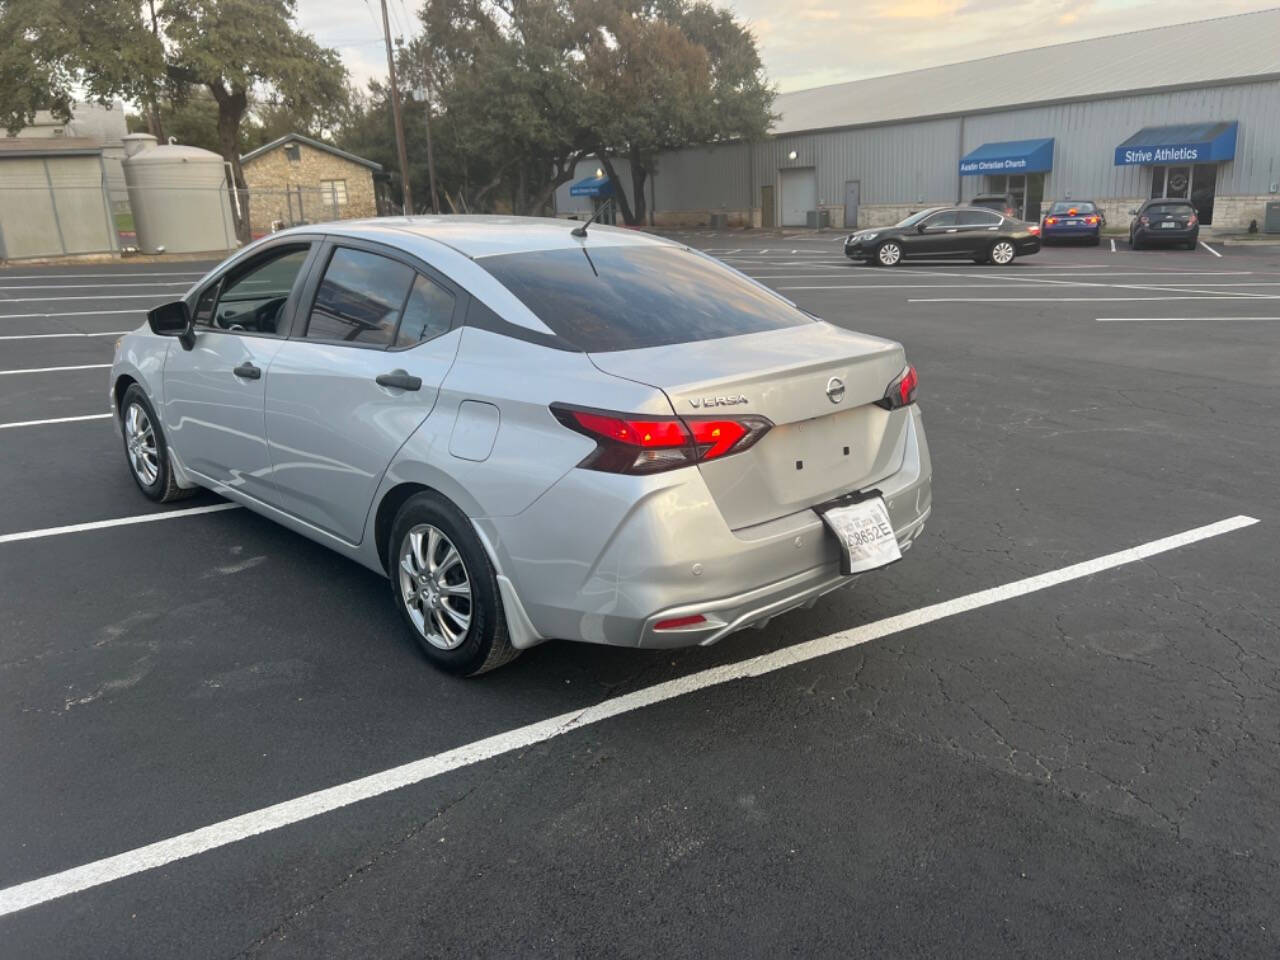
point(1232, 214)
point(700, 218)
point(272, 176)
point(887, 214)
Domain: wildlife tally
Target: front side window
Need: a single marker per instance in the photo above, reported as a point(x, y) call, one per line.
point(913, 219)
point(359, 299)
point(941, 221)
point(629, 297)
point(251, 299)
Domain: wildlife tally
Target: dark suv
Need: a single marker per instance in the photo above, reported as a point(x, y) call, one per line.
point(1164, 221)
point(1001, 203)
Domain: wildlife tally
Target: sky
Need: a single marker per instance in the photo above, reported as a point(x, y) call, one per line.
point(808, 43)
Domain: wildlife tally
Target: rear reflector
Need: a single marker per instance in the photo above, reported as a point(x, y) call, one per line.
point(675, 623)
point(628, 443)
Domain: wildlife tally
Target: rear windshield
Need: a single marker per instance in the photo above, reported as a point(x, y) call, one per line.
point(1164, 209)
point(625, 298)
point(1073, 208)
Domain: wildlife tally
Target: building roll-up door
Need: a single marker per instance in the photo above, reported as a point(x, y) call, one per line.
point(799, 195)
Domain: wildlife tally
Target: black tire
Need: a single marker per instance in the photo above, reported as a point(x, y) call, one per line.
point(1096, 241)
point(1135, 243)
point(1191, 244)
point(162, 488)
point(486, 644)
point(884, 254)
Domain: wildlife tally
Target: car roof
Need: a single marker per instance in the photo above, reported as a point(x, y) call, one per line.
point(483, 236)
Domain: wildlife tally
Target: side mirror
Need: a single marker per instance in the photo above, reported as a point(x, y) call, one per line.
point(173, 320)
point(1133, 212)
point(921, 227)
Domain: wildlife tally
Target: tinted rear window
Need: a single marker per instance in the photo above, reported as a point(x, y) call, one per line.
point(1164, 209)
point(625, 298)
point(1083, 207)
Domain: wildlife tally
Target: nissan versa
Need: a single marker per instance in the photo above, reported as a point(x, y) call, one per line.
point(532, 431)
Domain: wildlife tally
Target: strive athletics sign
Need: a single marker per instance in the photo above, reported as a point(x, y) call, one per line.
point(1189, 143)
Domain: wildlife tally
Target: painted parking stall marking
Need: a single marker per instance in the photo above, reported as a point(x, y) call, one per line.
point(116, 522)
point(308, 806)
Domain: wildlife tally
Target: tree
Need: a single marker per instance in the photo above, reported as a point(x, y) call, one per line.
point(233, 49)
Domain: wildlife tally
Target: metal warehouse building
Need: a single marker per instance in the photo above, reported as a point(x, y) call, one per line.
point(1191, 110)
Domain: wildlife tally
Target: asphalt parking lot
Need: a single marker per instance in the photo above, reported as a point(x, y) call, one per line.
point(956, 757)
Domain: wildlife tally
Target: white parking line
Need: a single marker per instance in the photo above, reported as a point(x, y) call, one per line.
point(82, 366)
point(41, 423)
point(96, 296)
point(117, 522)
point(213, 836)
point(1211, 250)
point(101, 276)
point(1113, 244)
point(93, 286)
point(77, 313)
point(54, 336)
point(1174, 319)
point(1082, 299)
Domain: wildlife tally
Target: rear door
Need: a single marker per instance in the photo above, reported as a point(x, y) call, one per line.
point(977, 230)
point(213, 393)
point(362, 371)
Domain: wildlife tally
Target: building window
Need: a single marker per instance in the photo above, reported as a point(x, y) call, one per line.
point(332, 190)
point(293, 152)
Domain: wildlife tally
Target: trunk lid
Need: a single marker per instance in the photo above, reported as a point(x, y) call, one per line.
point(818, 448)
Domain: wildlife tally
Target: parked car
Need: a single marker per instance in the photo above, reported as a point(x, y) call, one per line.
point(946, 232)
point(1002, 203)
point(532, 432)
point(1073, 220)
point(1164, 222)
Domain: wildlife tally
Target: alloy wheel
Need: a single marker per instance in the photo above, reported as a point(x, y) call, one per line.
point(889, 254)
point(140, 441)
point(1002, 253)
point(435, 586)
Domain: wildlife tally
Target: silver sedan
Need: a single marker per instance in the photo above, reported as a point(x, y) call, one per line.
point(533, 433)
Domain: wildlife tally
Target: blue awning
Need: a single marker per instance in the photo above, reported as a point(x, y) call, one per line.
point(592, 187)
point(1014, 156)
point(1185, 143)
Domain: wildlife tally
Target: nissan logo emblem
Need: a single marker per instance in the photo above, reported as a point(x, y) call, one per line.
point(835, 389)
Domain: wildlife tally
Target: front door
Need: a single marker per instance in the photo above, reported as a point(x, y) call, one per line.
point(938, 236)
point(1196, 183)
point(852, 194)
point(213, 393)
point(361, 374)
point(767, 218)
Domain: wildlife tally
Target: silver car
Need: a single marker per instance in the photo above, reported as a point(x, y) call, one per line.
point(532, 433)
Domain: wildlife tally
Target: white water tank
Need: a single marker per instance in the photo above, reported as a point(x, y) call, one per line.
point(178, 196)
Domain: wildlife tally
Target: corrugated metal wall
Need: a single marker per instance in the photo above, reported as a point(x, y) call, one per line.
point(911, 163)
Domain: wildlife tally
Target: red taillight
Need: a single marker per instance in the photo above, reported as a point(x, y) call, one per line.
point(1091, 221)
point(1033, 228)
point(1192, 221)
point(1050, 221)
point(627, 443)
point(1145, 221)
point(675, 623)
point(902, 391)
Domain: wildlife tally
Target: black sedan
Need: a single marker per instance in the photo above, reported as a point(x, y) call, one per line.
point(1164, 221)
point(939, 233)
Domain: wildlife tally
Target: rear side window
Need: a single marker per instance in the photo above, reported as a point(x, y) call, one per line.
point(428, 313)
point(360, 299)
point(625, 298)
point(977, 218)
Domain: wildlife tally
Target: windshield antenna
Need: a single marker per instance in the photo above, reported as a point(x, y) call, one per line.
point(582, 230)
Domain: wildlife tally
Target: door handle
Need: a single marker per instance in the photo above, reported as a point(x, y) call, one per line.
point(248, 371)
point(399, 380)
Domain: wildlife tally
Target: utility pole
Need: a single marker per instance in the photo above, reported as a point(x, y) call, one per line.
point(431, 160)
point(395, 113)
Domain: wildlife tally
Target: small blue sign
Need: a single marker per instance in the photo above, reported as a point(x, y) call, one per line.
point(1186, 143)
point(592, 187)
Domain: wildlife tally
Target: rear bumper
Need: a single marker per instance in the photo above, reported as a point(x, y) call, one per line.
point(1027, 245)
point(602, 558)
point(1070, 233)
point(1168, 236)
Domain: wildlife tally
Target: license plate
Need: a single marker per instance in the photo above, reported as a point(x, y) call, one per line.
point(865, 535)
point(1167, 226)
point(1073, 223)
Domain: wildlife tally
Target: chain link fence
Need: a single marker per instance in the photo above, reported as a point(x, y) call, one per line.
point(51, 216)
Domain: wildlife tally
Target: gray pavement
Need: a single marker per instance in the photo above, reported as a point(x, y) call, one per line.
point(1086, 770)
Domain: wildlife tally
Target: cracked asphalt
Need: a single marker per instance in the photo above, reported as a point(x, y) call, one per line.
point(1089, 770)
